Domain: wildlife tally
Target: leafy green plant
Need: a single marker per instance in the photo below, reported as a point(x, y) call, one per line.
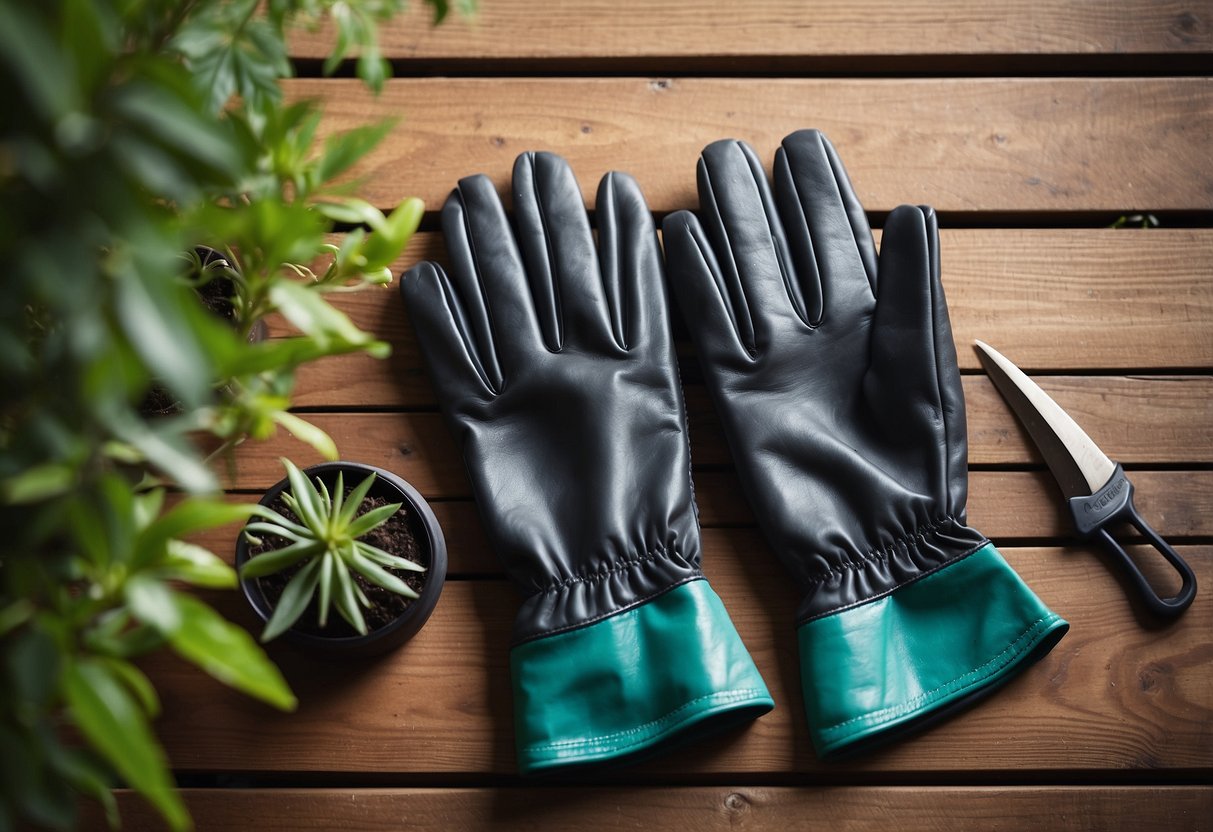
point(325, 547)
point(134, 131)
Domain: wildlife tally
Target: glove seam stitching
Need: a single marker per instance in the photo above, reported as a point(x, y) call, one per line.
point(881, 555)
point(934, 570)
point(612, 568)
point(631, 605)
point(980, 674)
point(725, 697)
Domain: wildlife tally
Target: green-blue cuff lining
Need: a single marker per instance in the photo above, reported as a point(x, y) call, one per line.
point(667, 671)
point(874, 672)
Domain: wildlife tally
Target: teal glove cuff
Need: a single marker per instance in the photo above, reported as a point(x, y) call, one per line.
point(671, 669)
point(876, 671)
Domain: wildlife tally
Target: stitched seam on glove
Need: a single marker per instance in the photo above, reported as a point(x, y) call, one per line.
point(662, 724)
point(602, 574)
point(979, 675)
point(977, 547)
point(881, 555)
point(644, 599)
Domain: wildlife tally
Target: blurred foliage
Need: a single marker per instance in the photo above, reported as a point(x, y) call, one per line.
point(132, 132)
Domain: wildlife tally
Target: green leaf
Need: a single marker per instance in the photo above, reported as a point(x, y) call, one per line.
point(354, 501)
point(346, 601)
point(372, 68)
point(315, 316)
point(352, 210)
point(267, 563)
point(308, 433)
point(372, 519)
point(293, 601)
point(384, 246)
point(39, 483)
point(279, 526)
point(136, 682)
point(112, 721)
point(87, 776)
point(152, 602)
point(193, 514)
point(387, 558)
point(329, 563)
point(35, 63)
point(338, 499)
point(307, 501)
point(343, 150)
point(228, 653)
point(31, 664)
point(156, 320)
point(197, 566)
point(376, 574)
point(168, 452)
point(15, 614)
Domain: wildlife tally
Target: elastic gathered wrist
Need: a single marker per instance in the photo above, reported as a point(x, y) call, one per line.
point(876, 671)
point(662, 672)
point(605, 589)
point(854, 578)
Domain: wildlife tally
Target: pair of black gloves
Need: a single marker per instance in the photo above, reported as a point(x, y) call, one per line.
point(833, 371)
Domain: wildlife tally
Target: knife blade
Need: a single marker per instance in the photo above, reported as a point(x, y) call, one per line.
point(1097, 491)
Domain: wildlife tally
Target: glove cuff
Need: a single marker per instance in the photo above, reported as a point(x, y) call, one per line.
point(876, 671)
point(666, 671)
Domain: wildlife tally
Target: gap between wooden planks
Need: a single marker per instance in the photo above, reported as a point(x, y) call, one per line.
point(1002, 504)
point(1052, 300)
point(1113, 145)
point(609, 30)
point(1119, 692)
point(707, 809)
point(1140, 422)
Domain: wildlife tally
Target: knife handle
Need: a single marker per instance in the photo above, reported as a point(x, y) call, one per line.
point(1114, 504)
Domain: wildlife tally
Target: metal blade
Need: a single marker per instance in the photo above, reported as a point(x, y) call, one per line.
point(1077, 463)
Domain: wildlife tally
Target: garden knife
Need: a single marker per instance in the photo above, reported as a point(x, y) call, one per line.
point(1097, 491)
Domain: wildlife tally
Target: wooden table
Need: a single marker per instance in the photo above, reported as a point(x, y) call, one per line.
point(1031, 125)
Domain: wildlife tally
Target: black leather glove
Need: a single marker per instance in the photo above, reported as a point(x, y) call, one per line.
point(834, 373)
point(555, 369)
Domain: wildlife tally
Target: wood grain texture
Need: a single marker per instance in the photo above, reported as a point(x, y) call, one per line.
point(1118, 692)
point(722, 30)
point(987, 144)
point(1049, 299)
point(1136, 421)
point(1004, 505)
point(756, 808)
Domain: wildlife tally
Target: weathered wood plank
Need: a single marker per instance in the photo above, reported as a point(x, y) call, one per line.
point(603, 29)
point(985, 144)
point(1027, 808)
point(1002, 504)
point(1117, 693)
point(1050, 299)
point(1145, 420)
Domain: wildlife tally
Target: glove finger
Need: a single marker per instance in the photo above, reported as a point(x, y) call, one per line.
point(829, 235)
point(452, 351)
point(699, 285)
point(630, 263)
point(913, 354)
point(739, 216)
point(487, 272)
point(558, 249)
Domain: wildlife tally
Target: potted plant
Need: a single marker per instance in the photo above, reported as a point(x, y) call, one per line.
point(342, 557)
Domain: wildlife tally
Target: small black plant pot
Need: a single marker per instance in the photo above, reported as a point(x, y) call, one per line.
point(431, 547)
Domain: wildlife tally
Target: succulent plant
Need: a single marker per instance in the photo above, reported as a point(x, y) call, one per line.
point(324, 544)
